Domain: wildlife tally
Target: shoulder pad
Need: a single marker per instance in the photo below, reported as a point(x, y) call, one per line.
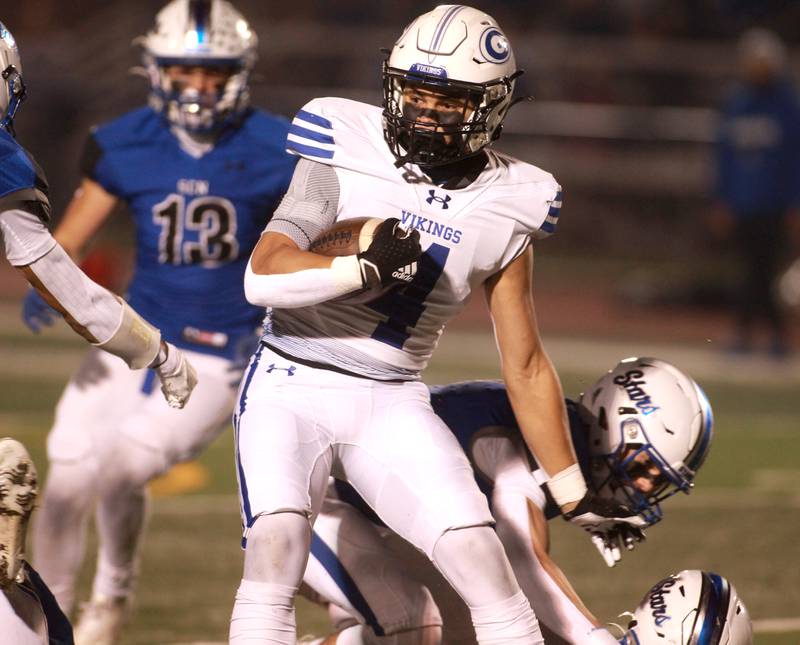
point(338, 132)
point(17, 171)
point(268, 129)
point(131, 128)
point(535, 194)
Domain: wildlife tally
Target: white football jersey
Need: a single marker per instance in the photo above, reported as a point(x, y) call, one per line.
point(467, 235)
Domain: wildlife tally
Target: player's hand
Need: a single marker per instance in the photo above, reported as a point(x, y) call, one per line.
point(391, 257)
point(610, 543)
point(36, 312)
point(597, 514)
point(177, 375)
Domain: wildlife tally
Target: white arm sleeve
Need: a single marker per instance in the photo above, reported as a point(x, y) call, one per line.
point(25, 237)
point(503, 461)
point(303, 288)
point(308, 208)
point(118, 328)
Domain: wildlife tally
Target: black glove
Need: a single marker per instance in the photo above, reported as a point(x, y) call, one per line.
point(600, 514)
point(391, 257)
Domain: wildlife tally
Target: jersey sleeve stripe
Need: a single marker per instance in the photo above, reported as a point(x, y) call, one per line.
point(548, 227)
point(316, 119)
point(300, 131)
point(295, 147)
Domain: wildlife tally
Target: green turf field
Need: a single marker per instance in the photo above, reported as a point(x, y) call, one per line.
point(742, 521)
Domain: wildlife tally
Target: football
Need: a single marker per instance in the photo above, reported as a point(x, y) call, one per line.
point(348, 237)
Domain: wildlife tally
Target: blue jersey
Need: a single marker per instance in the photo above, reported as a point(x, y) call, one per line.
point(469, 407)
point(22, 183)
point(197, 220)
point(758, 150)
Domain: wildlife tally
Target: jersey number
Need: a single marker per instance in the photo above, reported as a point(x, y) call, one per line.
point(403, 307)
point(214, 219)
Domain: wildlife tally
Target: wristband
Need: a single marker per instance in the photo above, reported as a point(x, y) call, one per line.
point(567, 486)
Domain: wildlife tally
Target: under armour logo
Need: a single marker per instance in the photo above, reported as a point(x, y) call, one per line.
point(435, 198)
point(289, 370)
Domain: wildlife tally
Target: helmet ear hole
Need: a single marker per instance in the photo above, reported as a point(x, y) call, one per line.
point(602, 418)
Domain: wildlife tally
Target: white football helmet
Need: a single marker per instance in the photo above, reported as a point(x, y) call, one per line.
point(12, 89)
point(690, 608)
point(644, 413)
point(453, 49)
point(205, 33)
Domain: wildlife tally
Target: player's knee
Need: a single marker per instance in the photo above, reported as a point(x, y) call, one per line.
point(460, 548)
point(276, 547)
point(69, 485)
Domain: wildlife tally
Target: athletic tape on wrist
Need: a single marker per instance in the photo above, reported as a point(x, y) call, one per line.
point(567, 486)
point(346, 272)
point(135, 340)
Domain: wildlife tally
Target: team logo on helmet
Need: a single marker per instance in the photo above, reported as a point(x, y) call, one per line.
point(494, 46)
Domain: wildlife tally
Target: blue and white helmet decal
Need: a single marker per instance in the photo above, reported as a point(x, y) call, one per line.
point(692, 607)
point(494, 46)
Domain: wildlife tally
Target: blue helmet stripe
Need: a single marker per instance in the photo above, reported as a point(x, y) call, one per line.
point(716, 610)
point(444, 23)
point(700, 450)
point(200, 17)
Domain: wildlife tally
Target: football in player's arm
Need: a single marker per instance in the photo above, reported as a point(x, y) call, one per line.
point(422, 163)
point(641, 432)
point(199, 171)
point(94, 313)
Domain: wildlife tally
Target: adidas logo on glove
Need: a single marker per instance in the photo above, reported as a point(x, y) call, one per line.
point(406, 273)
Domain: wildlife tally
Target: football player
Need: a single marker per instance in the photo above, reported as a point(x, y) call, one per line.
point(641, 432)
point(94, 313)
point(200, 172)
point(690, 607)
point(335, 386)
point(29, 614)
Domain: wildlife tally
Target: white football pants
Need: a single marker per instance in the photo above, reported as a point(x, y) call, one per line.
point(295, 425)
point(113, 433)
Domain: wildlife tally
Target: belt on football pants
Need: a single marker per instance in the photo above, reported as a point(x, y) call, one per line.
point(327, 366)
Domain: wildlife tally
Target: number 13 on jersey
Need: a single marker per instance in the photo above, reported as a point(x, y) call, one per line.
point(209, 221)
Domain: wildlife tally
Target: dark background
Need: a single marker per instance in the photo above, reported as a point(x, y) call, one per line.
point(626, 93)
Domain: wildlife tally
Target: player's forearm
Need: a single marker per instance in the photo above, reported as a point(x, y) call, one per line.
point(538, 403)
point(556, 604)
point(304, 287)
point(93, 312)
